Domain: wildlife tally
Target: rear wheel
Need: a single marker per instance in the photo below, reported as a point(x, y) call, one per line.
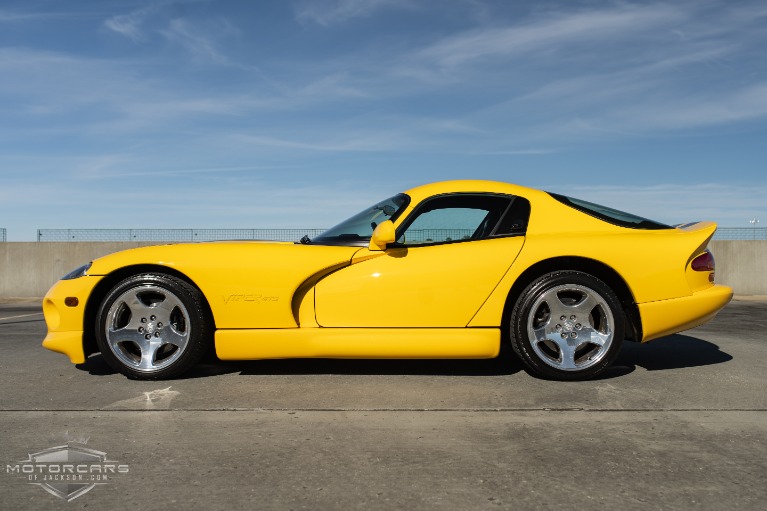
point(152, 327)
point(567, 325)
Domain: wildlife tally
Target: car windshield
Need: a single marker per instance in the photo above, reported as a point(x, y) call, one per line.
point(610, 215)
point(358, 229)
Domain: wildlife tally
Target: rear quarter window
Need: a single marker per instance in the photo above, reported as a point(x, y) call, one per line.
point(610, 215)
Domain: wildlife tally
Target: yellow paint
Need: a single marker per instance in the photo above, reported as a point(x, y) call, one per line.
point(247, 284)
point(65, 324)
point(382, 235)
point(269, 299)
point(676, 315)
point(424, 286)
point(358, 343)
point(651, 263)
point(58, 316)
point(698, 280)
point(68, 343)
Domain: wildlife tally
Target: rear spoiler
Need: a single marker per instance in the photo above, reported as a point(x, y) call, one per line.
point(700, 233)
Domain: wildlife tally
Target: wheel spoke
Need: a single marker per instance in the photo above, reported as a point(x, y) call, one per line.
point(585, 306)
point(598, 338)
point(565, 347)
point(115, 337)
point(543, 333)
point(137, 310)
point(164, 309)
point(172, 336)
point(137, 307)
point(148, 354)
point(556, 307)
point(566, 354)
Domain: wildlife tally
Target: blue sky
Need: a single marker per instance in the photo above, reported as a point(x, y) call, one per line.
point(205, 114)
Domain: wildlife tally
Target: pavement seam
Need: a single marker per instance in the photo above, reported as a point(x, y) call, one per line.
point(22, 316)
point(433, 410)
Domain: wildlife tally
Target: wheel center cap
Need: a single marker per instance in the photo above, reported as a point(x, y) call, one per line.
point(150, 328)
point(568, 326)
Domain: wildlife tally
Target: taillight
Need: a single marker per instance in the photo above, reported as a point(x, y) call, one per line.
point(704, 262)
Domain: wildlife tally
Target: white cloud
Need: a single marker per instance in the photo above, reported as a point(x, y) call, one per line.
point(610, 113)
point(700, 110)
point(623, 70)
point(376, 141)
point(550, 32)
point(200, 46)
point(594, 88)
point(246, 201)
point(16, 17)
point(336, 85)
point(331, 12)
point(133, 25)
point(731, 205)
point(129, 25)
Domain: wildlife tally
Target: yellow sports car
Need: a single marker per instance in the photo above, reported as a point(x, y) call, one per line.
point(445, 270)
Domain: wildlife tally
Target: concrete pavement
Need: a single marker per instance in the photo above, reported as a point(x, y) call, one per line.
point(680, 423)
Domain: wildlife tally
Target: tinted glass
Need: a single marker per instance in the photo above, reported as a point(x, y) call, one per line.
point(515, 219)
point(450, 218)
point(358, 229)
point(610, 215)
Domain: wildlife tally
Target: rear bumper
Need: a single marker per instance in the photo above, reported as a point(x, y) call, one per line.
point(666, 317)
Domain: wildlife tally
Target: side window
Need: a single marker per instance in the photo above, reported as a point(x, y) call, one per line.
point(453, 218)
point(443, 225)
point(515, 219)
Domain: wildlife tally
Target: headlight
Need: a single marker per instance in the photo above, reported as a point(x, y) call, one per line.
point(79, 272)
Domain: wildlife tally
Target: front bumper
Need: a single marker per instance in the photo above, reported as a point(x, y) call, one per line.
point(66, 323)
point(666, 317)
point(68, 343)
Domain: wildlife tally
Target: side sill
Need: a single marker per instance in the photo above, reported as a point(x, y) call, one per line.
point(393, 343)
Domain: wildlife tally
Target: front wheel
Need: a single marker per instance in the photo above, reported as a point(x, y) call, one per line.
point(567, 325)
point(153, 327)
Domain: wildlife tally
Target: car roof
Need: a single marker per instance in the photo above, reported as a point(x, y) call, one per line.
point(471, 186)
point(549, 216)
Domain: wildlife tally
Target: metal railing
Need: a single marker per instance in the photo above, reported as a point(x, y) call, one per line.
point(178, 235)
point(436, 235)
point(2, 234)
point(181, 235)
point(741, 233)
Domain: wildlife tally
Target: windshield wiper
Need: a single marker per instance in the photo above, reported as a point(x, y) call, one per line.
point(349, 237)
point(305, 239)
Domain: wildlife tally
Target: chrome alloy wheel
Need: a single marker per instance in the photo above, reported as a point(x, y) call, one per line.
point(147, 328)
point(570, 327)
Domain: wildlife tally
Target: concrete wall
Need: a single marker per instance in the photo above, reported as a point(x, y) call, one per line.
point(29, 269)
point(741, 265)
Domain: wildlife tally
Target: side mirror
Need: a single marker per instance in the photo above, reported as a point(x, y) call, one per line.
point(382, 235)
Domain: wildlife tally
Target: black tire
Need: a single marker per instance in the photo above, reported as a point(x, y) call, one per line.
point(567, 325)
point(153, 327)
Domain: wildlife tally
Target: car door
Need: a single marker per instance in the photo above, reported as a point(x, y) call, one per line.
point(450, 254)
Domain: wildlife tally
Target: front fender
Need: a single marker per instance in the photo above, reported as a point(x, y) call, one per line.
point(247, 284)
